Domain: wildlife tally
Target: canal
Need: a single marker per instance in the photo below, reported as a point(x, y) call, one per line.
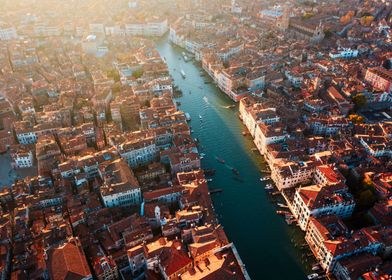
point(263, 239)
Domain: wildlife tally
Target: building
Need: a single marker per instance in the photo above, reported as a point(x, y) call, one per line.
point(22, 157)
point(150, 27)
point(343, 53)
point(120, 187)
point(331, 242)
point(269, 134)
point(291, 174)
point(7, 33)
point(105, 268)
point(380, 78)
point(68, 261)
point(317, 201)
point(139, 152)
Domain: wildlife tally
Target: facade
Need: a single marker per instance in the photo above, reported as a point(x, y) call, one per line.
point(148, 28)
point(316, 201)
point(140, 152)
point(379, 78)
point(291, 174)
point(22, 159)
point(344, 53)
point(120, 187)
point(7, 33)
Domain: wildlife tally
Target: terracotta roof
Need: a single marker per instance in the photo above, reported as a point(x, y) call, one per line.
point(68, 262)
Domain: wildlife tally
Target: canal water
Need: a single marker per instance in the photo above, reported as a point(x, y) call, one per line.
point(265, 242)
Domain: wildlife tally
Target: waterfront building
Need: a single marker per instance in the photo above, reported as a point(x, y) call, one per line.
point(22, 157)
point(269, 134)
point(319, 201)
point(291, 174)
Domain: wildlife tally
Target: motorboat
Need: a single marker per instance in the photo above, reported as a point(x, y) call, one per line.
point(235, 171)
point(313, 276)
point(220, 160)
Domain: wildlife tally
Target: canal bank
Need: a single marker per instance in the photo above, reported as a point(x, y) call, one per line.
point(263, 239)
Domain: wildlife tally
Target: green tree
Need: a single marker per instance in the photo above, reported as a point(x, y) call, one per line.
point(112, 73)
point(359, 100)
point(366, 199)
point(137, 73)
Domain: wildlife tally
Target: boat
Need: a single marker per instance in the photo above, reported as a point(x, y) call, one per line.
point(200, 117)
point(262, 179)
point(281, 212)
point(185, 57)
point(238, 179)
point(289, 220)
point(188, 117)
point(313, 276)
point(209, 180)
point(315, 267)
point(183, 74)
point(202, 154)
point(268, 187)
point(209, 172)
point(244, 133)
point(216, 191)
point(235, 171)
point(220, 160)
point(282, 205)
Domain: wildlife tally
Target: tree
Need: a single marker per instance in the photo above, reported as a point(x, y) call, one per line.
point(137, 73)
point(113, 74)
point(359, 100)
point(356, 119)
point(366, 199)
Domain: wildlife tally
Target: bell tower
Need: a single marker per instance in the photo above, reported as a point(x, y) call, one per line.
point(283, 22)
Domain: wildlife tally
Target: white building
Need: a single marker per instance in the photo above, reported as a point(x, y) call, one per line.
point(120, 187)
point(330, 241)
point(152, 28)
point(316, 201)
point(22, 159)
point(291, 174)
point(7, 33)
point(268, 134)
point(343, 53)
point(120, 197)
point(139, 152)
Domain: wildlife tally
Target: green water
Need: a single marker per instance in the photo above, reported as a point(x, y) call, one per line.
point(263, 239)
